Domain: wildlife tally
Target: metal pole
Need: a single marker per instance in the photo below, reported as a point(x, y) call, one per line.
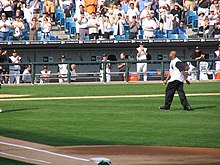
point(104, 71)
point(126, 71)
point(32, 73)
point(198, 70)
point(162, 70)
point(69, 73)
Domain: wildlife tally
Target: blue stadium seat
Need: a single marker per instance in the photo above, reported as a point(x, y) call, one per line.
point(86, 38)
point(25, 35)
point(172, 36)
point(141, 34)
point(195, 24)
point(127, 27)
point(119, 37)
point(159, 34)
point(190, 15)
point(58, 12)
point(72, 32)
point(182, 36)
point(39, 35)
point(69, 22)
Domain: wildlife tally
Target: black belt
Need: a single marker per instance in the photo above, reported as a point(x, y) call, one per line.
point(4, 32)
point(14, 69)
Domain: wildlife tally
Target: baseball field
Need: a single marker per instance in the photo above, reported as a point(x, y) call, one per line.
point(109, 115)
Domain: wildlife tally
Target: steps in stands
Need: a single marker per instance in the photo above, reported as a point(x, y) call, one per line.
point(57, 31)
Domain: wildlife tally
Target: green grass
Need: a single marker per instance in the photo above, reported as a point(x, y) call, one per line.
point(5, 161)
point(132, 121)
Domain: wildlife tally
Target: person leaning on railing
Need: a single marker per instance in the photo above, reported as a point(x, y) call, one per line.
point(45, 75)
point(196, 55)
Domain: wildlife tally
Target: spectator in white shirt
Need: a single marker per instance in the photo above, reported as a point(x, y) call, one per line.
point(132, 12)
point(18, 28)
point(119, 25)
point(5, 26)
point(93, 25)
point(148, 25)
point(83, 26)
point(212, 19)
point(108, 28)
point(167, 22)
point(28, 12)
point(46, 28)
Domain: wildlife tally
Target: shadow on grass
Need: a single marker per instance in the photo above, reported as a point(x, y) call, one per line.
point(19, 109)
point(203, 107)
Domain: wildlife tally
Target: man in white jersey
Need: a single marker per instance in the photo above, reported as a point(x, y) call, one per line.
point(142, 56)
point(175, 80)
point(14, 70)
point(217, 56)
point(63, 70)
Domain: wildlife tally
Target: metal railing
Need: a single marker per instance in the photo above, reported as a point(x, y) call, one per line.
point(162, 69)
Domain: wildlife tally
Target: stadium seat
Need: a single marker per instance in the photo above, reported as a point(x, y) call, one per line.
point(159, 34)
point(39, 35)
point(86, 38)
point(69, 22)
point(119, 37)
point(190, 15)
point(72, 32)
point(182, 36)
point(25, 35)
point(140, 34)
point(195, 24)
point(58, 13)
point(172, 36)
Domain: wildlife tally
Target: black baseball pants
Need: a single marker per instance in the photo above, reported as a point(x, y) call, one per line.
point(172, 87)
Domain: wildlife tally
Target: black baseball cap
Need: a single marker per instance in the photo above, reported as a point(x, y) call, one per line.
point(14, 51)
point(63, 56)
point(197, 47)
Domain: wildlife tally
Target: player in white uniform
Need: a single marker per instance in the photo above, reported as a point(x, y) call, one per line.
point(108, 69)
point(63, 70)
point(175, 81)
point(26, 76)
point(141, 56)
point(217, 56)
point(45, 74)
point(14, 70)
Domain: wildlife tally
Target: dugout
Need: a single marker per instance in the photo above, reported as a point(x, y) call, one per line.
point(91, 50)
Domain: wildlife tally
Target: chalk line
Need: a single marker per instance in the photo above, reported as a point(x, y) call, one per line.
point(102, 97)
point(45, 151)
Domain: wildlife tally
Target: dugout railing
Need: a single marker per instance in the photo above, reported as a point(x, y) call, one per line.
point(212, 70)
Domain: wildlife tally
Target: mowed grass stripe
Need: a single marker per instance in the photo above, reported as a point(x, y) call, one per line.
point(120, 121)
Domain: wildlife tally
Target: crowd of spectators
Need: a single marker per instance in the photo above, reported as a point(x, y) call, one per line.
point(21, 19)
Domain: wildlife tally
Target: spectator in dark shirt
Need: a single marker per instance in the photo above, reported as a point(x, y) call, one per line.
point(67, 12)
point(134, 27)
point(177, 13)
